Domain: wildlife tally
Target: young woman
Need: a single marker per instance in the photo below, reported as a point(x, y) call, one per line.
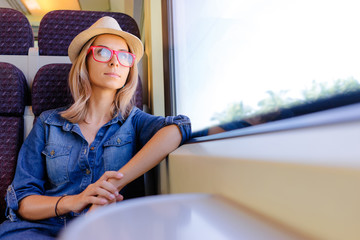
point(78, 158)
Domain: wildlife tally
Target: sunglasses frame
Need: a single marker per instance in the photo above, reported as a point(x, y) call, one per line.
point(112, 54)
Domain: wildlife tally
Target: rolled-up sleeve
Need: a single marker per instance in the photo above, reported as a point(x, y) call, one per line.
point(30, 170)
point(147, 125)
point(183, 122)
point(12, 203)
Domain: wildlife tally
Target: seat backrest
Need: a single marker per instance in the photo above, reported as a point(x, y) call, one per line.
point(58, 28)
point(50, 88)
point(14, 95)
point(16, 35)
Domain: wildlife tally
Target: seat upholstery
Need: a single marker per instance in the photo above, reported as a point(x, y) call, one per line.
point(14, 95)
point(58, 28)
point(16, 35)
point(50, 88)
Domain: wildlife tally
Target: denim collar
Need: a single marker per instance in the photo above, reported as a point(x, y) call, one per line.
point(53, 117)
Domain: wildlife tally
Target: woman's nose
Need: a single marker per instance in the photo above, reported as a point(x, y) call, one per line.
point(114, 61)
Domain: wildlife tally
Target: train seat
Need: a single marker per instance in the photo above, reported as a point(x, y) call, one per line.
point(58, 28)
point(50, 88)
point(14, 96)
point(16, 35)
point(16, 40)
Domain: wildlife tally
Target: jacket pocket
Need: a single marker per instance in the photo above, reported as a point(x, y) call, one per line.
point(57, 161)
point(117, 152)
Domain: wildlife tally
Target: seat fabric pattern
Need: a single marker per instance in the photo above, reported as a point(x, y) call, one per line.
point(13, 96)
point(14, 92)
point(11, 138)
point(50, 88)
point(16, 35)
point(58, 28)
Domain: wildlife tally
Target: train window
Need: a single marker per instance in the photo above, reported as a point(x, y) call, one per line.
point(240, 63)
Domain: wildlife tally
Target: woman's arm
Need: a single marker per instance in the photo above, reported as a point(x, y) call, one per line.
point(156, 149)
point(166, 140)
point(102, 192)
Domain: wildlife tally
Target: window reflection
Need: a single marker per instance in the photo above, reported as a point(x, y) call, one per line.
point(318, 104)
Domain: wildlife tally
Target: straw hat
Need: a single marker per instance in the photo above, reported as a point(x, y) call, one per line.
point(105, 25)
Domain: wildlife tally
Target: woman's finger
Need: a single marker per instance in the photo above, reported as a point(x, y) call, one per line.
point(102, 192)
point(119, 198)
point(98, 200)
point(109, 187)
point(111, 174)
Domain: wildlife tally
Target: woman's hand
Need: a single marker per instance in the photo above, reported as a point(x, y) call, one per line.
point(38, 207)
point(102, 192)
point(111, 181)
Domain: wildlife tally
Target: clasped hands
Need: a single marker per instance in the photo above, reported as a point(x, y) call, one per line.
point(100, 193)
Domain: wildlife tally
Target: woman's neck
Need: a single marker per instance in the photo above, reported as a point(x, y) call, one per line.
point(99, 108)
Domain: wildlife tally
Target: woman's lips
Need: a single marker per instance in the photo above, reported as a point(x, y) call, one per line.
point(111, 74)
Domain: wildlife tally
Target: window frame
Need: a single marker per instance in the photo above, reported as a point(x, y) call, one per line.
point(168, 53)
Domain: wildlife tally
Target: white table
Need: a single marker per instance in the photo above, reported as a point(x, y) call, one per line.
point(174, 217)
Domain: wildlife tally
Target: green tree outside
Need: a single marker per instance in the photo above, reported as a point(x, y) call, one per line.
point(277, 100)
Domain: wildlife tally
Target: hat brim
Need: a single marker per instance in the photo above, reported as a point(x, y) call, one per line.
point(134, 43)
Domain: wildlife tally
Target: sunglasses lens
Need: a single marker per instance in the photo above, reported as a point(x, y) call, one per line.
point(102, 54)
point(126, 59)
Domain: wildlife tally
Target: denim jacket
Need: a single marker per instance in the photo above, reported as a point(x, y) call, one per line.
point(55, 158)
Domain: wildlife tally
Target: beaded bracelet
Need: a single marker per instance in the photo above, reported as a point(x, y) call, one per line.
point(57, 215)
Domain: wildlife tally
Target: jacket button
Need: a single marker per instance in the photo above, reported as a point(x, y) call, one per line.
point(118, 140)
point(92, 148)
point(52, 152)
point(88, 171)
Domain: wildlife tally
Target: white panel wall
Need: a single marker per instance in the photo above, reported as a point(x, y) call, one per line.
point(306, 179)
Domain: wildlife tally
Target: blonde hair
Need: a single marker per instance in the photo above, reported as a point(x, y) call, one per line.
point(80, 88)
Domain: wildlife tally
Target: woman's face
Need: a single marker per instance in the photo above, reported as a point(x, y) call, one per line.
point(110, 75)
